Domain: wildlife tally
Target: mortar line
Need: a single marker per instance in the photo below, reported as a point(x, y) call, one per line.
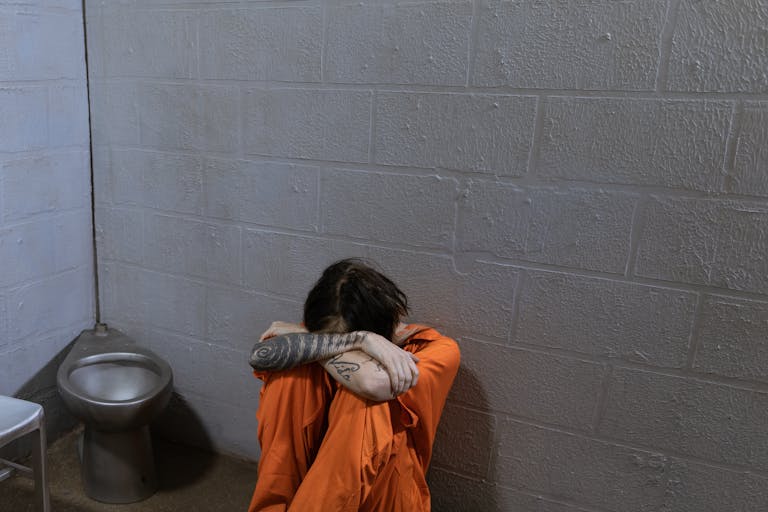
point(731, 146)
point(694, 340)
point(535, 149)
point(636, 228)
point(665, 45)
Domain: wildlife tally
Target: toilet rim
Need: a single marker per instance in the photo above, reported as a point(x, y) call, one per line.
point(159, 366)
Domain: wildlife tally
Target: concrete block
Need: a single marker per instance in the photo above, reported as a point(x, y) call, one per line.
point(102, 175)
point(158, 180)
point(120, 234)
point(114, 113)
point(207, 250)
point(719, 47)
point(27, 252)
point(206, 369)
point(149, 43)
point(389, 206)
point(574, 228)
point(211, 424)
point(202, 117)
point(600, 45)
point(74, 240)
point(68, 115)
point(53, 303)
point(686, 416)
point(261, 44)
point(23, 118)
point(731, 338)
point(135, 297)
point(267, 193)
point(478, 300)
point(600, 317)
point(558, 390)
point(4, 337)
point(47, 183)
point(750, 167)
point(468, 132)
point(709, 242)
point(41, 45)
point(236, 318)
point(464, 441)
point(304, 123)
point(459, 494)
point(617, 478)
point(425, 43)
point(670, 143)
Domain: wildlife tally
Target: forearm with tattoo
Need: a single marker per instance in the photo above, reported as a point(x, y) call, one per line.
point(291, 350)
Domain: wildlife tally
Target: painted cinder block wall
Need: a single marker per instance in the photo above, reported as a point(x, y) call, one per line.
point(575, 190)
point(46, 251)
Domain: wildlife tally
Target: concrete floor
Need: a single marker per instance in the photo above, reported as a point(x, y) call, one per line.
point(190, 480)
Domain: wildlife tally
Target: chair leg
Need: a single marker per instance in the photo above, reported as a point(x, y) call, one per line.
point(38, 467)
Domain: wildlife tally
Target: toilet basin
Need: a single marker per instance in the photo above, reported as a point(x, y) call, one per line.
point(115, 390)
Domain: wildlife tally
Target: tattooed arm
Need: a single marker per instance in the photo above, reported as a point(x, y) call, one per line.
point(361, 374)
point(285, 349)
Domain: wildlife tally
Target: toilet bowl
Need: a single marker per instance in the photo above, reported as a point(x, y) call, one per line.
point(116, 388)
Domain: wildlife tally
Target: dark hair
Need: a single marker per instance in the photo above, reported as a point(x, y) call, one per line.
point(353, 296)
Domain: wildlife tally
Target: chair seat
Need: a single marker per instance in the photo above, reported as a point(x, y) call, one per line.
point(17, 418)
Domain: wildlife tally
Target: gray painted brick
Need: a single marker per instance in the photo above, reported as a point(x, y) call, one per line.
point(469, 132)
point(120, 234)
point(146, 43)
point(4, 337)
point(558, 390)
point(600, 45)
point(199, 249)
point(750, 169)
point(677, 144)
point(236, 318)
point(458, 494)
point(203, 117)
point(303, 123)
point(261, 44)
point(478, 300)
point(206, 369)
point(23, 118)
point(426, 43)
point(389, 204)
point(158, 180)
point(29, 250)
point(60, 301)
point(73, 240)
point(114, 113)
point(700, 419)
point(714, 243)
point(606, 318)
point(573, 228)
point(40, 45)
point(464, 441)
point(47, 183)
point(208, 423)
point(68, 115)
point(732, 338)
point(617, 478)
point(134, 296)
point(268, 193)
point(102, 175)
point(718, 46)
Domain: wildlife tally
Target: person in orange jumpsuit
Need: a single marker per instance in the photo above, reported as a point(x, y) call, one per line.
point(351, 400)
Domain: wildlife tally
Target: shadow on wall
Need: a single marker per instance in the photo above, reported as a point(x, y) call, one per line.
point(180, 424)
point(463, 446)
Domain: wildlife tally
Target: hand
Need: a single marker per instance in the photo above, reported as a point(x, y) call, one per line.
point(280, 328)
point(399, 364)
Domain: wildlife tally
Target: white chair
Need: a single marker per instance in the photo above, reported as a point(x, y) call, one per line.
point(18, 418)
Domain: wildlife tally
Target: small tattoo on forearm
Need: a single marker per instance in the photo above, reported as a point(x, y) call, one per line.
point(343, 368)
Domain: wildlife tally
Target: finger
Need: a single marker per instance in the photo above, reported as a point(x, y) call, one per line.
point(413, 357)
point(266, 334)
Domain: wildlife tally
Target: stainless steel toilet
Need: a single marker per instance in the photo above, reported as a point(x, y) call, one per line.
point(115, 388)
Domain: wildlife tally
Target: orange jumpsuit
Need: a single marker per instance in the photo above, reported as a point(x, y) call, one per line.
point(323, 448)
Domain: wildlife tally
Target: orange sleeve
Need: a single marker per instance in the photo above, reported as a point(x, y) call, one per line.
point(422, 405)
